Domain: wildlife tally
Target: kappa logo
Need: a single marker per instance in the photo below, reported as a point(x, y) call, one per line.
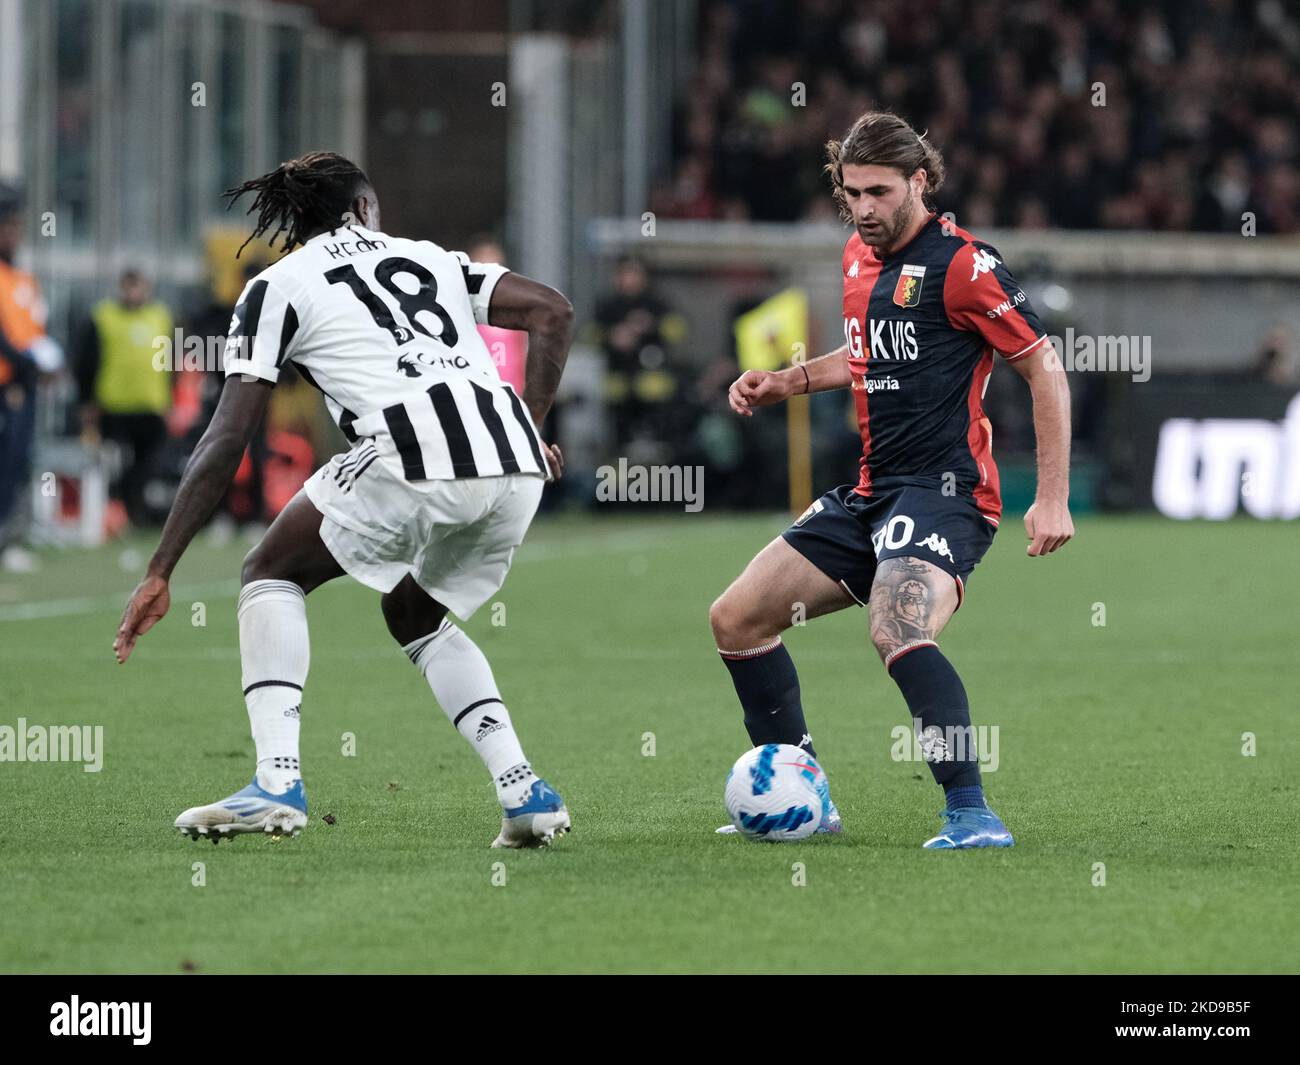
point(486, 727)
point(937, 544)
point(983, 262)
point(853, 270)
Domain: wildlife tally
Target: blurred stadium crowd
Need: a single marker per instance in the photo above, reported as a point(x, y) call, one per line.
point(1140, 114)
point(1173, 115)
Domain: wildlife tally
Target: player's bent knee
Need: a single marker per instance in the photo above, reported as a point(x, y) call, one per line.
point(726, 621)
point(911, 602)
point(410, 612)
point(719, 616)
point(891, 641)
point(397, 616)
point(738, 629)
point(884, 643)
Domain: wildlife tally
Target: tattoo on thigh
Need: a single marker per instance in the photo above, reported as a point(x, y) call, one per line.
point(903, 597)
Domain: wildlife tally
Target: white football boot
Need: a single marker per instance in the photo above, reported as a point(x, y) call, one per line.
point(536, 821)
point(251, 810)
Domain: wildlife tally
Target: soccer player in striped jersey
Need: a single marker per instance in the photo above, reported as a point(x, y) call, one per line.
point(926, 308)
point(444, 475)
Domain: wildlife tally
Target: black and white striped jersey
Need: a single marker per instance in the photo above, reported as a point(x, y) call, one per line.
point(385, 328)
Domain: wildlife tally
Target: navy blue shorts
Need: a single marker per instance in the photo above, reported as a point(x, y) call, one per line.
point(845, 534)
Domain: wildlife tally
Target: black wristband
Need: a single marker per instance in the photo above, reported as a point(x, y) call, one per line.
point(807, 381)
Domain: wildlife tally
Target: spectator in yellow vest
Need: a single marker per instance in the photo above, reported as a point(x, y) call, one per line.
point(125, 395)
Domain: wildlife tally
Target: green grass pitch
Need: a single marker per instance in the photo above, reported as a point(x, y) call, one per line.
point(1119, 744)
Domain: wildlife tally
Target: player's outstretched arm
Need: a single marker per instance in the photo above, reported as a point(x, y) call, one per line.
point(761, 388)
point(1047, 522)
point(207, 477)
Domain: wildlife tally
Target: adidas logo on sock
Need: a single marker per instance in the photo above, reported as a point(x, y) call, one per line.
point(487, 726)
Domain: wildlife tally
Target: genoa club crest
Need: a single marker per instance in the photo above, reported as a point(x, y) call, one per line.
point(908, 291)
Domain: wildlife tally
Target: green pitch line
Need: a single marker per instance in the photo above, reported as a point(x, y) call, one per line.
point(1119, 746)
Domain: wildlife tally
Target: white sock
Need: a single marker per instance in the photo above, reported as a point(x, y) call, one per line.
point(275, 654)
point(462, 683)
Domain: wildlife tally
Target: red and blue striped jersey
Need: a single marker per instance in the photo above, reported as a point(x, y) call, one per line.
point(921, 328)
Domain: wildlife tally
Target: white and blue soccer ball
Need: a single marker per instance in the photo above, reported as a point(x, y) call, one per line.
point(772, 793)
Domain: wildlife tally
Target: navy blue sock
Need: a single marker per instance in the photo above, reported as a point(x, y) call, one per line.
point(936, 698)
point(768, 687)
point(959, 797)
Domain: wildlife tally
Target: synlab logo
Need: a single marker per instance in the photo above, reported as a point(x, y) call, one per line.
point(1206, 469)
point(102, 1018)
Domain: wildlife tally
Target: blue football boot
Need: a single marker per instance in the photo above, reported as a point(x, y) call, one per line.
point(830, 821)
point(251, 810)
point(535, 821)
point(968, 827)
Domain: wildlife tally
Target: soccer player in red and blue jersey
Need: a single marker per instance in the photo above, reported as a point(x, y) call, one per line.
point(928, 308)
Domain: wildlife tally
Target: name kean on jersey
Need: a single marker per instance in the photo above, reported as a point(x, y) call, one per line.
point(386, 329)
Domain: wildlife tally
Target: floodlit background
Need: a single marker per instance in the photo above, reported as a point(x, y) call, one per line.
point(660, 163)
point(1136, 164)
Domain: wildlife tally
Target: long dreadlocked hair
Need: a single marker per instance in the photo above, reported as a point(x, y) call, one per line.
point(300, 195)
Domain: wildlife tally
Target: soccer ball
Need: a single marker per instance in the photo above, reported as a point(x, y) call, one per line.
point(772, 793)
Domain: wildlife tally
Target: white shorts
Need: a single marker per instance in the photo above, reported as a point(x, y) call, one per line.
point(456, 538)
